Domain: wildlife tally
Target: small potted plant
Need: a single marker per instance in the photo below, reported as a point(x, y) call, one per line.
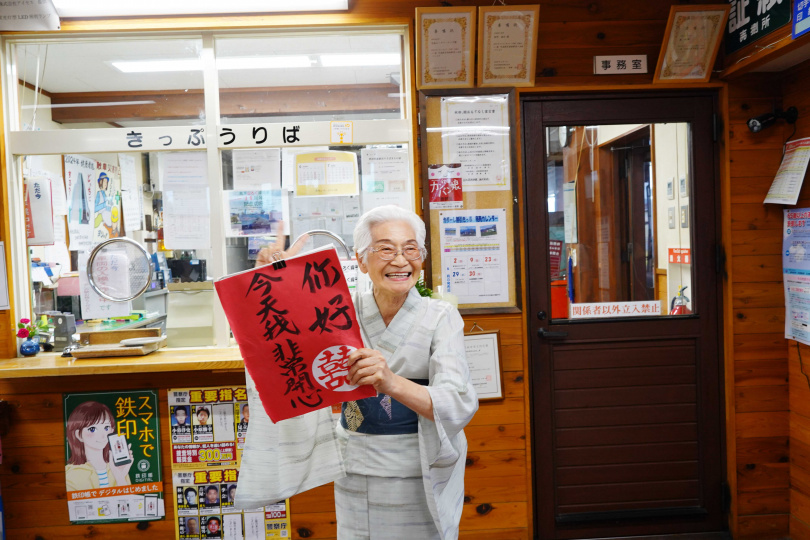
point(27, 330)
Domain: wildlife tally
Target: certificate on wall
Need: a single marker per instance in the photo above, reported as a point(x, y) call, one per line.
point(507, 45)
point(444, 47)
point(483, 357)
point(476, 134)
point(691, 42)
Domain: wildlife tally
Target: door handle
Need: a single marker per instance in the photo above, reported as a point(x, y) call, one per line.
point(543, 333)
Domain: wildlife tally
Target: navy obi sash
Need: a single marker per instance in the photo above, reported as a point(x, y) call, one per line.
point(380, 415)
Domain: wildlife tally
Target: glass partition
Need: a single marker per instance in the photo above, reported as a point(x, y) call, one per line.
point(102, 83)
point(340, 76)
point(620, 220)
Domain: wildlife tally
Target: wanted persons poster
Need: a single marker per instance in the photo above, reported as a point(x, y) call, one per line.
point(204, 503)
point(295, 326)
point(112, 457)
point(208, 425)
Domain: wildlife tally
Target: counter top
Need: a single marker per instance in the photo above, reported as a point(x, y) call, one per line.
point(177, 359)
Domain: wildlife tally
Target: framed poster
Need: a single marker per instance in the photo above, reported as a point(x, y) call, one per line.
point(444, 47)
point(507, 45)
point(691, 42)
point(483, 350)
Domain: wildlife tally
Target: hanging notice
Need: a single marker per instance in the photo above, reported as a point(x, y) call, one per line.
point(386, 177)
point(299, 314)
point(112, 457)
point(95, 306)
point(474, 258)
point(476, 134)
point(38, 211)
point(326, 173)
point(205, 508)
point(208, 425)
point(796, 274)
point(131, 197)
point(106, 182)
point(445, 186)
point(254, 213)
point(79, 189)
point(288, 162)
point(58, 196)
point(790, 176)
point(257, 169)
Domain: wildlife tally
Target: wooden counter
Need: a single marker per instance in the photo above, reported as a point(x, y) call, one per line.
point(163, 360)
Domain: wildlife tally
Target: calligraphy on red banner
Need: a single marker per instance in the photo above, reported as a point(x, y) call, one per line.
point(295, 326)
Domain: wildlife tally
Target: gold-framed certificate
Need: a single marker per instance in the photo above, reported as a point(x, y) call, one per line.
point(507, 45)
point(445, 47)
point(691, 42)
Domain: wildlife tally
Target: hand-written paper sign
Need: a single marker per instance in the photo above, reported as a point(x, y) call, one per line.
point(295, 326)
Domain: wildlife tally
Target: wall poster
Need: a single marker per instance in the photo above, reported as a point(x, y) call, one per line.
point(112, 457)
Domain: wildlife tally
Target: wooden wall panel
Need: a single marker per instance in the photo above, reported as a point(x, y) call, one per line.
point(758, 393)
point(795, 84)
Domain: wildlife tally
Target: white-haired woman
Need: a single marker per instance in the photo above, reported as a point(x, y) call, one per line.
point(404, 451)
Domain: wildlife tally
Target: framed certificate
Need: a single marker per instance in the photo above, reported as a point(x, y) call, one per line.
point(507, 45)
point(691, 42)
point(483, 351)
point(445, 47)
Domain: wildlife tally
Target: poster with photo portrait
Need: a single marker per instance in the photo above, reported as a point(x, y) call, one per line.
point(202, 423)
point(188, 527)
point(211, 526)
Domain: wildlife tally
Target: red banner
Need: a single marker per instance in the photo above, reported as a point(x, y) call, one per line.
point(295, 326)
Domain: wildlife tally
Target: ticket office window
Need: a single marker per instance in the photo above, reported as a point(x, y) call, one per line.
point(202, 200)
point(620, 220)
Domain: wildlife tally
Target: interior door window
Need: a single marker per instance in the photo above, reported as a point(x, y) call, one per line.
point(620, 220)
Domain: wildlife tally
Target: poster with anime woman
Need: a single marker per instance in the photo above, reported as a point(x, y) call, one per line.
point(111, 444)
point(106, 202)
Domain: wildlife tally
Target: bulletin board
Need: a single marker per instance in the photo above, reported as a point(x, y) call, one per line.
point(469, 182)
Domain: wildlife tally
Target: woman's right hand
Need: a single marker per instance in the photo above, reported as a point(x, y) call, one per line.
point(265, 255)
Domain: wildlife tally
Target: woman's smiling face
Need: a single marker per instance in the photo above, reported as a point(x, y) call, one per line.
point(95, 436)
point(396, 277)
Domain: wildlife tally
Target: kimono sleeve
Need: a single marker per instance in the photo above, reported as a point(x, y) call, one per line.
point(451, 390)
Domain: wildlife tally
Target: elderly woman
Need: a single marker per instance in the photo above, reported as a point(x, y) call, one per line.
point(403, 451)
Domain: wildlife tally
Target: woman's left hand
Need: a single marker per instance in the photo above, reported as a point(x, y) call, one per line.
point(368, 366)
point(121, 472)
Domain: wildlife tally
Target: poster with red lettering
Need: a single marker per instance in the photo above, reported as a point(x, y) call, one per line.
point(295, 325)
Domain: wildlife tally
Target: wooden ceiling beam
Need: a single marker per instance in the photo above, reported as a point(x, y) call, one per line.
point(83, 107)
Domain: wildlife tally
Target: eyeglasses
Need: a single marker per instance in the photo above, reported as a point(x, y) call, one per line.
point(388, 253)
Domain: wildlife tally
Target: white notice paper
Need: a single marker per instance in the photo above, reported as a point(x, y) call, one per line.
point(131, 197)
point(183, 169)
point(93, 305)
point(386, 177)
point(186, 219)
point(58, 196)
point(476, 134)
point(788, 182)
point(256, 169)
point(474, 258)
point(482, 357)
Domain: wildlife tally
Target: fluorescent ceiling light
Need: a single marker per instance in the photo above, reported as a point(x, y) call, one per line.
point(154, 66)
point(194, 64)
point(358, 60)
point(107, 8)
point(265, 62)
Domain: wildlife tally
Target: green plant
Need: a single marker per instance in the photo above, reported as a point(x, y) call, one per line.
point(28, 328)
point(423, 290)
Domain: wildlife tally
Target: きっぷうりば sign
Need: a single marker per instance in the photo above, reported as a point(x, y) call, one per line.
point(295, 326)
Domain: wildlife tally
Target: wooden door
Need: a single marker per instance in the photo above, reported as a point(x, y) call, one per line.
point(627, 399)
